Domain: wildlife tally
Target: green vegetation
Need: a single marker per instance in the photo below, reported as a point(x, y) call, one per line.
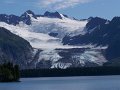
point(9, 72)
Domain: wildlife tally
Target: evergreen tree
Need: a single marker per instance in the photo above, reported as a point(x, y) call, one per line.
point(9, 72)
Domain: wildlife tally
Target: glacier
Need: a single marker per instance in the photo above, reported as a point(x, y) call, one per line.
point(38, 35)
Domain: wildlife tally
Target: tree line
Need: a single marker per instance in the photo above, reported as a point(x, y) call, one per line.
point(83, 71)
point(9, 72)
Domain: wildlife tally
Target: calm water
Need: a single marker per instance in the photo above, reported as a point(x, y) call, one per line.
point(65, 83)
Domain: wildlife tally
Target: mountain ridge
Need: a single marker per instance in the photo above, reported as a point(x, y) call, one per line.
point(25, 17)
point(62, 42)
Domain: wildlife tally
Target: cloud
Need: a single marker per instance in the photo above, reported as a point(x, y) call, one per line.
point(61, 4)
point(48, 4)
point(9, 1)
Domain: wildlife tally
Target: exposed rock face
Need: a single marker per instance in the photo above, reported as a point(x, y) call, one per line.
point(9, 19)
point(52, 15)
point(26, 17)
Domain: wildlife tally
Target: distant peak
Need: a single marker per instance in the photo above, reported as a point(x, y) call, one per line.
point(90, 18)
point(53, 14)
point(47, 13)
point(115, 20)
point(98, 19)
point(27, 16)
point(29, 12)
point(95, 21)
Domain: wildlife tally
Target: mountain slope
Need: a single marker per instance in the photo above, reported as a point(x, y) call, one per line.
point(107, 34)
point(14, 48)
point(48, 32)
point(95, 33)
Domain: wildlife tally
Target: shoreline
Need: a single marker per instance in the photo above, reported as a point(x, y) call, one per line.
point(71, 76)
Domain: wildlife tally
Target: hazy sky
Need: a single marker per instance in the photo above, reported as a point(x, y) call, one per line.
point(74, 8)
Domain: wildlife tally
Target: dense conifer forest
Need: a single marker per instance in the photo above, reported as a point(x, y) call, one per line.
point(9, 72)
point(85, 71)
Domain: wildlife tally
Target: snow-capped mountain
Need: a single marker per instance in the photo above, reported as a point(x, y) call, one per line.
point(40, 30)
point(46, 34)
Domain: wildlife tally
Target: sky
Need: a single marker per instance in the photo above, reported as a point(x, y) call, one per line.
point(80, 9)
